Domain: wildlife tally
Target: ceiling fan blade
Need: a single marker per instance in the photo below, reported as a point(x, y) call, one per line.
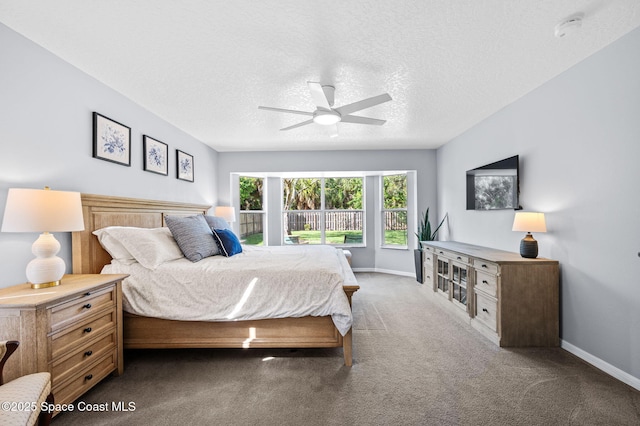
point(304, 123)
point(362, 120)
point(333, 131)
point(317, 94)
point(363, 104)
point(292, 111)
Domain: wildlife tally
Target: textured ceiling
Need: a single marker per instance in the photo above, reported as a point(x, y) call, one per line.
point(205, 66)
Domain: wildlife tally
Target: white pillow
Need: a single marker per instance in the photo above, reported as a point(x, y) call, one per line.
point(111, 244)
point(151, 247)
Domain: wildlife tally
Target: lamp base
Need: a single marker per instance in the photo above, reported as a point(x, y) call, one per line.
point(46, 268)
point(529, 247)
point(45, 285)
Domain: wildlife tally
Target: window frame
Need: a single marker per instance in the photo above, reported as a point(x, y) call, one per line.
point(263, 212)
point(383, 211)
point(323, 210)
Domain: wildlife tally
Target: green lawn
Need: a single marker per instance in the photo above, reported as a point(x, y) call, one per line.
point(332, 237)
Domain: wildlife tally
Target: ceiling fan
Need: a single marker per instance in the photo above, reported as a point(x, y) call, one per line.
point(326, 115)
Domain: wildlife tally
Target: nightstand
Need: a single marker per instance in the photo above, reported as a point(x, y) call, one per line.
point(73, 331)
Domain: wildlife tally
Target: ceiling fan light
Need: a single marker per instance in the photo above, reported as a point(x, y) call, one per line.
point(326, 118)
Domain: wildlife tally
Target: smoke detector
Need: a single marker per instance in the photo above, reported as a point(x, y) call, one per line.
point(569, 25)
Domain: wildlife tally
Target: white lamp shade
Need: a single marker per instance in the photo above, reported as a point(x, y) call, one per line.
point(42, 210)
point(529, 222)
point(228, 213)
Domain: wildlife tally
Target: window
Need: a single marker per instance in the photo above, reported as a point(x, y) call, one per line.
point(251, 210)
point(394, 210)
point(323, 210)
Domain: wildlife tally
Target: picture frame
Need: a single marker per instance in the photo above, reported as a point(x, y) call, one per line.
point(156, 156)
point(184, 166)
point(111, 140)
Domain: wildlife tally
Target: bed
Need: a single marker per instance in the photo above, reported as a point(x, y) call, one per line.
point(146, 332)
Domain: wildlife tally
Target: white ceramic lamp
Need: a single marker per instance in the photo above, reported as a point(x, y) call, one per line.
point(529, 222)
point(228, 213)
point(43, 210)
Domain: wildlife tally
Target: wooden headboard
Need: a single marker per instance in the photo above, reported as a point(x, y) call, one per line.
point(100, 211)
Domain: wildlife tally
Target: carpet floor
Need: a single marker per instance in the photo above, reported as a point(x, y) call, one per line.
point(414, 364)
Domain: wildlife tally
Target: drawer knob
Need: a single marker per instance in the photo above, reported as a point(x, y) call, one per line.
point(87, 330)
point(88, 353)
point(484, 282)
point(87, 306)
point(485, 310)
point(88, 377)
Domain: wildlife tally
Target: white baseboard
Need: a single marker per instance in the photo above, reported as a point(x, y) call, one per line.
point(385, 271)
point(611, 370)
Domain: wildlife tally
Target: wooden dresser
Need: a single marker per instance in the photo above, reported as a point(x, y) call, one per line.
point(73, 331)
point(511, 300)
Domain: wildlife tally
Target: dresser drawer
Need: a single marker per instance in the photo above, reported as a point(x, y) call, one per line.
point(428, 257)
point(484, 266)
point(453, 256)
point(69, 390)
point(428, 277)
point(487, 283)
point(74, 310)
point(82, 357)
point(486, 310)
point(72, 338)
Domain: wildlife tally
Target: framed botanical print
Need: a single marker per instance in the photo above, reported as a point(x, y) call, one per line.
point(185, 165)
point(155, 155)
point(111, 140)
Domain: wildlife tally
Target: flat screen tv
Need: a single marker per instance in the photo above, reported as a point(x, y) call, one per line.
point(494, 186)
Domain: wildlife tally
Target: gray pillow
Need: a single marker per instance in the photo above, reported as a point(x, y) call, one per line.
point(217, 222)
point(193, 235)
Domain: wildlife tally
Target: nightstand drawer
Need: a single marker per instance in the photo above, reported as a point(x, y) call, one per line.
point(486, 310)
point(73, 338)
point(74, 310)
point(487, 283)
point(86, 378)
point(82, 357)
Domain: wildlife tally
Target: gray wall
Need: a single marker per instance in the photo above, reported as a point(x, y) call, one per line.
point(371, 257)
point(578, 137)
point(46, 110)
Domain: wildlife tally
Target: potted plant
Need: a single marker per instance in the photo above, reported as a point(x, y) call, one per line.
point(424, 234)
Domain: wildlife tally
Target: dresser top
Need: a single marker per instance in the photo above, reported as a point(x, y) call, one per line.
point(486, 253)
point(23, 296)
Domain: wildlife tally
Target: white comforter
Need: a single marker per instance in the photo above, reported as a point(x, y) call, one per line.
point(259, 283)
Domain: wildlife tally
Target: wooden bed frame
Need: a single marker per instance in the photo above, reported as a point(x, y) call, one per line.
point(144, 332)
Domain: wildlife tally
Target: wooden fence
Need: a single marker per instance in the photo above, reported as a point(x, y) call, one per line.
point(251, 223)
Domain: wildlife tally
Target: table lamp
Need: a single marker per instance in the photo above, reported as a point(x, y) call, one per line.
point(228, 213)
point(43, 210)
point(529, 222)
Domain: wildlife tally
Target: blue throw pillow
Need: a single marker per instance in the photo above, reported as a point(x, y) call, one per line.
point(227, 242)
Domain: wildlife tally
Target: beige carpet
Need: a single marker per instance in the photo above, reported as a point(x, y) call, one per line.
point(414, 364)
